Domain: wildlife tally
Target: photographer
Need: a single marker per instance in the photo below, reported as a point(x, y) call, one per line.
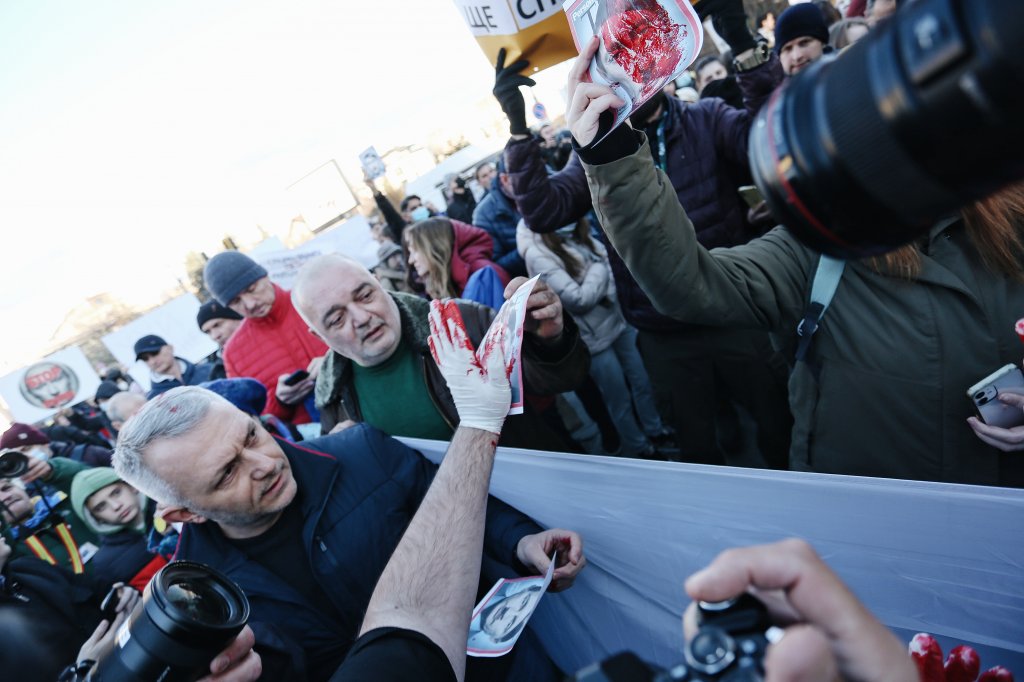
point(831, 634)
point(46, 528)
point(881, 390)
point(47, 613)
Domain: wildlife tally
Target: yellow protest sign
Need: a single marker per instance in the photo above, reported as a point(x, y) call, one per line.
point(536, 30)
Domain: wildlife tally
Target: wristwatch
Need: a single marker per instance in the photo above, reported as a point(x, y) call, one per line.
point(757, 57)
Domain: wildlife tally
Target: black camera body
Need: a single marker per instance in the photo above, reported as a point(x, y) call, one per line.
point(863, 153)
point(729, 645)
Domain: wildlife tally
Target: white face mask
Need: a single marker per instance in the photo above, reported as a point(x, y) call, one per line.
point(39, 453)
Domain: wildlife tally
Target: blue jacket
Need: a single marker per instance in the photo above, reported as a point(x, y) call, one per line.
point(498, 215)
point(192, 375)
point(358, 490)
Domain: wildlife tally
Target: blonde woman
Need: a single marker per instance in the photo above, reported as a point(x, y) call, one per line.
point(443, 254)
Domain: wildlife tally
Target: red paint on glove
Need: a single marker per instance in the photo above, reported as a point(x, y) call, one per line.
point(963, 664)
point(927, 654)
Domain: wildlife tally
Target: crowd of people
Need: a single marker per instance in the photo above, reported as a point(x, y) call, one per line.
point(665, 326)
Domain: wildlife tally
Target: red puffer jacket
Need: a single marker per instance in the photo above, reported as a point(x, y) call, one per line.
point(473, 250)
point(265, 348)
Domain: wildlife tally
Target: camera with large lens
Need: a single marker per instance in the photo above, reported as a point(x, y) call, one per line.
point(190, 613)
point(729, 645)
point(13, 464)
point(863, 153)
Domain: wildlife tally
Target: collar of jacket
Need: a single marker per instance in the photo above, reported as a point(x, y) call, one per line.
point(186, 371)
point(314, 473)
point(337, 369)
point(278, 312)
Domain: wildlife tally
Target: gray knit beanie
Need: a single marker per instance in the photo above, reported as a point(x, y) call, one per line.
point(229, 273)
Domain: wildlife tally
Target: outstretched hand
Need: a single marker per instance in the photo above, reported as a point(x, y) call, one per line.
point(507, 80)
point(587, 101)
point(480, 387)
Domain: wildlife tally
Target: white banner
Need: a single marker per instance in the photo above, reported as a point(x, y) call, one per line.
point(351, 238)
point(175, 323)
point(924, 557)
point(38, 391)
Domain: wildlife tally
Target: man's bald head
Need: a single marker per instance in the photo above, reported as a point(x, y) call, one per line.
point(345, 305)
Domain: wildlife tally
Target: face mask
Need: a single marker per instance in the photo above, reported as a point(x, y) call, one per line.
point(420, 213)
point(39, 453)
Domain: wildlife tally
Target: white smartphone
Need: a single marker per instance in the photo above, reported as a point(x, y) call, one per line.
point(984, 395)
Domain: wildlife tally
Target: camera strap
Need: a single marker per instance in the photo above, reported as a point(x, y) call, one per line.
point(826, 279)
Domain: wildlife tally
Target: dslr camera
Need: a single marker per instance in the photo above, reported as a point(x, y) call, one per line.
point(730, 645)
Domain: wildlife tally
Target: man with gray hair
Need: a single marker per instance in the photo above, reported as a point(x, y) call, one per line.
point(307, 531)
point(378, 350)
point(122, 406)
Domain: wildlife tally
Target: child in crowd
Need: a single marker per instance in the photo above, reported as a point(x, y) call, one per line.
point(121, 517)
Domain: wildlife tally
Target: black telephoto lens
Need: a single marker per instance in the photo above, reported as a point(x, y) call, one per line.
point(190, 614)
point(13, 464)
point(860, 154)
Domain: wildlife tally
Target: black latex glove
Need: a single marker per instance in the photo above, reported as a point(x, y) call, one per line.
point(507, 80)
point(730, 21)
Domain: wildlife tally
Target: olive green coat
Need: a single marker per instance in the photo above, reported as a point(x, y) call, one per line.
point(896, 357)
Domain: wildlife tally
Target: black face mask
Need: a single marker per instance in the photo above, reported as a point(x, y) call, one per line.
point(638, 119)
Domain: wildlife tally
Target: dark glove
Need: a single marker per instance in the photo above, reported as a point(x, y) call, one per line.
point(507, 80)
point(730, 21)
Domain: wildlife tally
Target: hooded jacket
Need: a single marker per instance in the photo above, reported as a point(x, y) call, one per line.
point(884, 391)
point(473, 250)
point(265, 348)
point(357, 490)
point(546, 371)
point(123, 555)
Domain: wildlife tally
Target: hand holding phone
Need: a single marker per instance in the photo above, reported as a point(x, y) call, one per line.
point(295, 377)
point(985, 396)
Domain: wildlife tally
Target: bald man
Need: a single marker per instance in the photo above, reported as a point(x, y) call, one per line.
point(379, 369)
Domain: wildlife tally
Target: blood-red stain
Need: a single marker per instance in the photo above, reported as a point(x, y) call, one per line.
point(927, 654)
point(641, 37)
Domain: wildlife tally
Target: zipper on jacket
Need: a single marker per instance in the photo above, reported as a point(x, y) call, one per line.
point(323, 549)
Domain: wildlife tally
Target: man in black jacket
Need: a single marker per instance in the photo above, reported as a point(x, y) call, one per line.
point(306, 532)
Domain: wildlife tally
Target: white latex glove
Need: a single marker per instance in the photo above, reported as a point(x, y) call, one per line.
point(481, 391)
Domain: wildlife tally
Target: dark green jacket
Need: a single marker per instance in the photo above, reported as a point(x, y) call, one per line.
point(64, 471)
point(896, 357)
point(546, 371)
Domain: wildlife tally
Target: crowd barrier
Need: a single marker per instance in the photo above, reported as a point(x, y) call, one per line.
point(925, 557)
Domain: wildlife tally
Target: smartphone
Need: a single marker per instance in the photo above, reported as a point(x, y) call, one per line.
point(109, 605)
point(984, 395)
point(752, 195)
point(295, 377)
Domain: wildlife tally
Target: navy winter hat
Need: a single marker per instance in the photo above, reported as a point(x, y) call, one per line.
point(213, 310)
point(150, 343)
point(106, 390)
point(246, 394)
point(798, 21)
point(228, 274)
